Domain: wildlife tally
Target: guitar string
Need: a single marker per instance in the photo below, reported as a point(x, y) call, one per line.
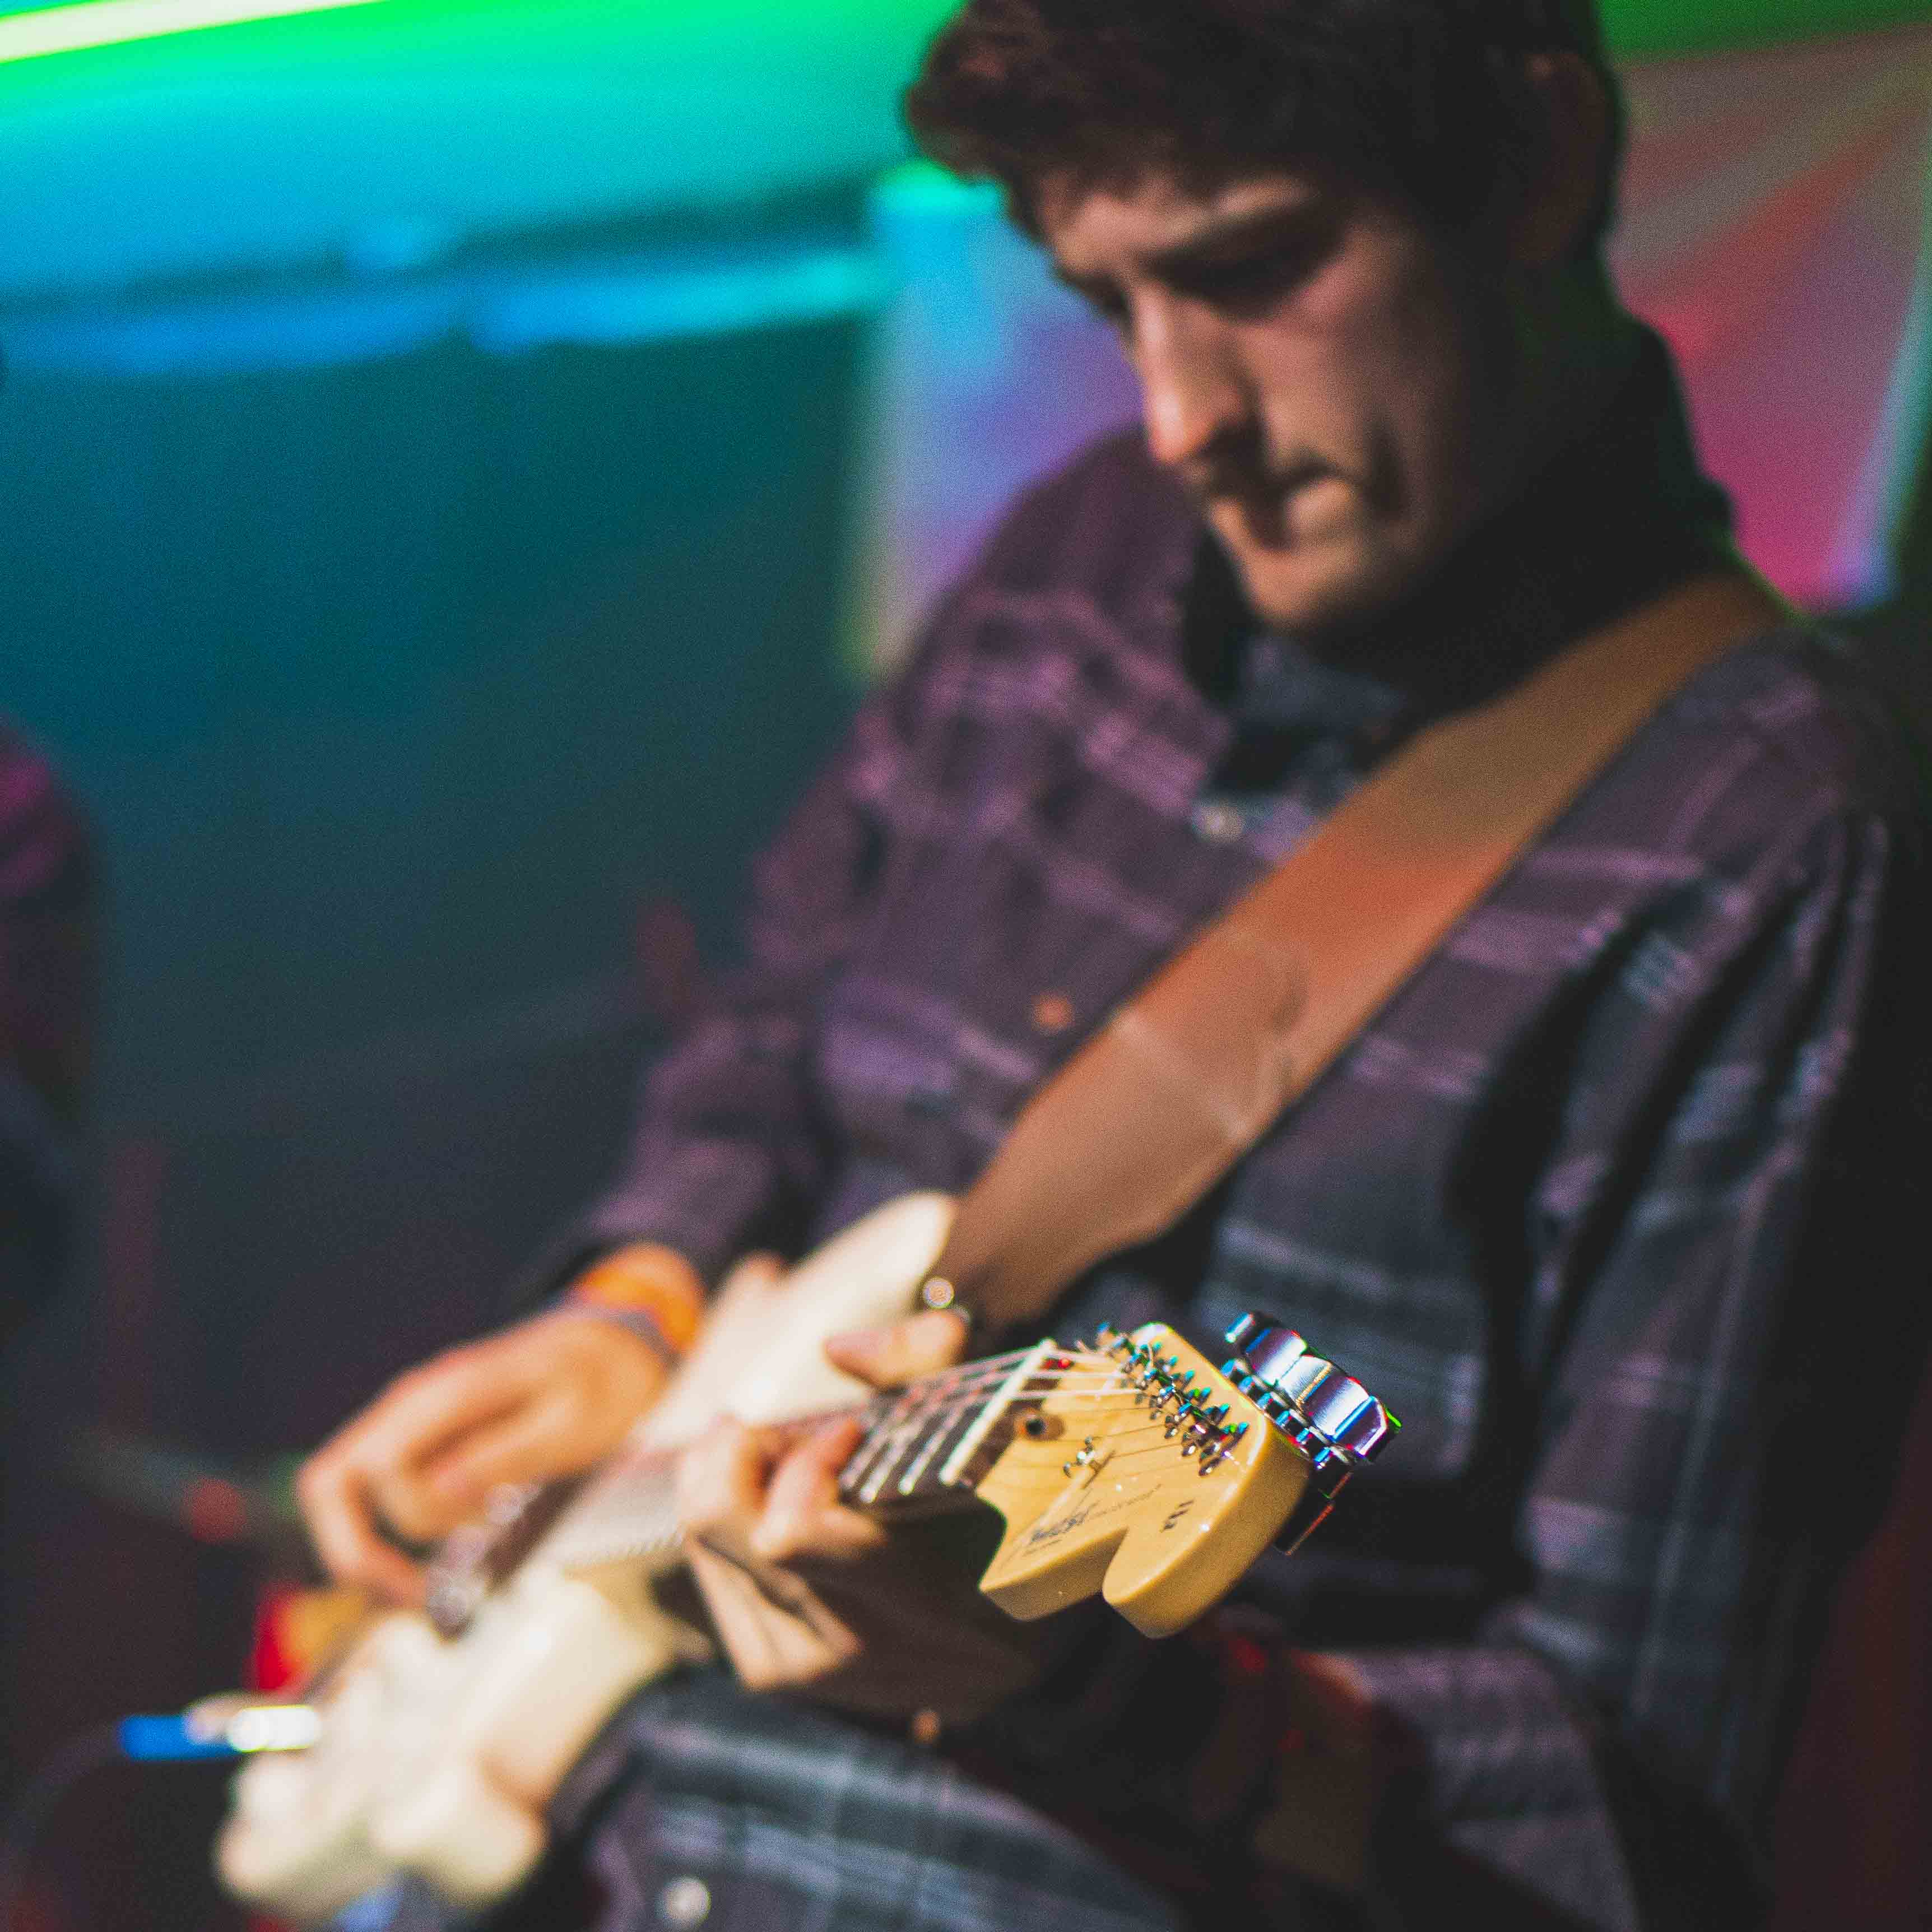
point(1028, 1450)
point(1046, 1450)
point(955, 1389)
point(959, 1387)
point(656, 1470)
point(1090, 1384)
point(629, 1463)
point(671, 1535)
point(948, 1387)
point(967, 1377)
point(1096, 1375)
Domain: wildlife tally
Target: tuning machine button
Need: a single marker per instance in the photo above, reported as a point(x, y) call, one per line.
point(1327, 1414)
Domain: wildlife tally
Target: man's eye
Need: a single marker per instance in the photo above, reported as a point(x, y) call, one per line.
point(1268, 269)
point(1250, 281)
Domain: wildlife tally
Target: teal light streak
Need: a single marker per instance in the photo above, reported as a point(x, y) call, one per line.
point(107, 23)
point(666, 298)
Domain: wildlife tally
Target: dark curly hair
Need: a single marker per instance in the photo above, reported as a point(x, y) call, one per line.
point(1420, 98)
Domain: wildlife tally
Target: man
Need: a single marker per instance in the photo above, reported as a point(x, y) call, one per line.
point(1591, 1204)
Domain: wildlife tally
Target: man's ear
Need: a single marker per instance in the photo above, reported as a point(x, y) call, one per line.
point(1571, 132)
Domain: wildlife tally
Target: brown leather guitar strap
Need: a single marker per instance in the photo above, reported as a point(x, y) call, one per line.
point(1188, 1075)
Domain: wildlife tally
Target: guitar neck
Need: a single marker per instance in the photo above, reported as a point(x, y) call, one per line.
point(928, 1446)
point(1228, 1456)
point(925, 1449)
point(625, 1510)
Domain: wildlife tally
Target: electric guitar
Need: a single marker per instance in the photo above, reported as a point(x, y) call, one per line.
point(1132, 1468)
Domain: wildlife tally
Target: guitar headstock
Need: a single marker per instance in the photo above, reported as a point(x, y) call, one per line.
point(1157, 1480)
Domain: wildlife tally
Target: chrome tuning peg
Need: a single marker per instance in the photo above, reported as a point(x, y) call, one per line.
point(1328, 1415)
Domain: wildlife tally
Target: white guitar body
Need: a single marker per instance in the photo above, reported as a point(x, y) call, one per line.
point(438, 1757)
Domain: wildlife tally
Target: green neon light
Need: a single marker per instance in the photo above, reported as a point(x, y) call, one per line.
point(106, 23)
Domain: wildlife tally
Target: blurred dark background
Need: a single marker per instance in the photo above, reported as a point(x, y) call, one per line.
point(460, 463)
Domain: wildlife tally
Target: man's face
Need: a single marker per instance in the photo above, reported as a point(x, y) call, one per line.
point(1325, 376)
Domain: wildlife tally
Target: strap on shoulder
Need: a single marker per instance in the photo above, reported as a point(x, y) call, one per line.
point(1187, 1076)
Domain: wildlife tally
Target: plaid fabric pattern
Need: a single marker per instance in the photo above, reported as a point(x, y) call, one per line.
point(1575, 1205)
point(780, 1820)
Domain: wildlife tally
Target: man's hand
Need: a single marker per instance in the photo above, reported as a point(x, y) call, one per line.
point(545, 1399)
point(806, 1594)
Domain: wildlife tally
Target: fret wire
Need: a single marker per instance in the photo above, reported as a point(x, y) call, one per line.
point(875, 1416)
point(888, 1416)
point(880, 1442)
point(891, 1418)
point(939, 1435)
point(970, 1432)
point(915, 1410)
point(928, 1407)
point(672, 1536)
point(939, 1398)
point(993, 1367)
point(922, 1397)
point(655, 1470)
point(947, 1401)
point(930, 1410)
point(936, 1423)
point(1047, 1386)
point(964, 1378)
point(1080, 1380)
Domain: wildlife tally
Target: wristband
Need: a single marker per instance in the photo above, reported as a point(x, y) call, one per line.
point(646, 1283)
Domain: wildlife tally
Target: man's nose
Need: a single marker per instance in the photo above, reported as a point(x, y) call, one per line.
point(1193, 395)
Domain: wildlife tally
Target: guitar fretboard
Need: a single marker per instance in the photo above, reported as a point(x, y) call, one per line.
point(926, 1446)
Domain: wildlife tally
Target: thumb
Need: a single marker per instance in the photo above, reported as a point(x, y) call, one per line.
point(900, 1352)
point(764, 1269)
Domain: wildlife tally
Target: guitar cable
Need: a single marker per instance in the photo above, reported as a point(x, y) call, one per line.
point(225, 1727)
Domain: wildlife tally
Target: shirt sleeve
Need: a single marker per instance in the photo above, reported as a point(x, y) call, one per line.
point(1707, 1345)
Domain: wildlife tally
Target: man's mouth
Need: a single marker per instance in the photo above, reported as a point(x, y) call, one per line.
point(1270, 513)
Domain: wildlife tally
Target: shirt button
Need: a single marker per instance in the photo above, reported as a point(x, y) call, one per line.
point(1052, 1012)
point(1220, 824)
point(685, 1904)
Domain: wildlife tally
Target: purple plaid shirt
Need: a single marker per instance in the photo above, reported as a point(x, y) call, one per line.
point(1589, 1204)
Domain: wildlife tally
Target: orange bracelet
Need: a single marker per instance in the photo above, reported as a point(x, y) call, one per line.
point(650, 1279)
